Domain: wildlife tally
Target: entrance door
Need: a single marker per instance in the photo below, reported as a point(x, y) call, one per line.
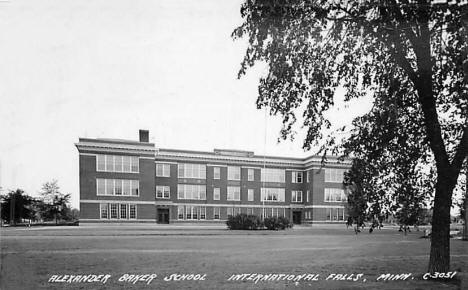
point(163, 215)
point(297, 217)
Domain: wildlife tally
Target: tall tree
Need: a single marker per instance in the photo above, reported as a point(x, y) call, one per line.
point(409, 52)
point(386, 171)
point(55, 204)
point(16, 205)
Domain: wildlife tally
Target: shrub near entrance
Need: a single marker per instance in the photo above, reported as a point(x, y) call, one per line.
point(253, 222)
point(277, 223)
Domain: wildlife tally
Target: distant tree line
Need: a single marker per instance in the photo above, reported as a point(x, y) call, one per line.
point(17, 207)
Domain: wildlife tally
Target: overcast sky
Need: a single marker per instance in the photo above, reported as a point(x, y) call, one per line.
point(104, 69)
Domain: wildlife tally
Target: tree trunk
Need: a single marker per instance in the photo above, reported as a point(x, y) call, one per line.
point(465, 232)
point(439, 260)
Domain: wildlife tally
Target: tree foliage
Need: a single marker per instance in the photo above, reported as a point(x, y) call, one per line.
point(409, 56)
point(462, 208)
point(55, 205)
point(17, 205)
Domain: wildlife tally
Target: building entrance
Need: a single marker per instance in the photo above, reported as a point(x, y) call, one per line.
point(297, 217)
point(163, 215)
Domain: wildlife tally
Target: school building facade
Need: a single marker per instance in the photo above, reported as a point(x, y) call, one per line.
point(133, 181)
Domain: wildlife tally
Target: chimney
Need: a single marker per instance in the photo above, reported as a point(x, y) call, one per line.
point(144, 136)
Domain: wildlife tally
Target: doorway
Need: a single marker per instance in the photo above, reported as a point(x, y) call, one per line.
point(297, 217)
point(163, 215)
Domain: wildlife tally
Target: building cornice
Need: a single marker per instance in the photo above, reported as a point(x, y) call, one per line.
point(226, 157)
point(107, 147)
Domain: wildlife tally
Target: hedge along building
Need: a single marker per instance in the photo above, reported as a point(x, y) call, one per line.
point(132, 181)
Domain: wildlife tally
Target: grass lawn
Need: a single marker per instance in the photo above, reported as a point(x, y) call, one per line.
point(30, 256)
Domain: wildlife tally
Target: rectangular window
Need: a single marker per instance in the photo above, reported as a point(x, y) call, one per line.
point(109, 187)
point(118, 187)
point(188, 212)
point(133, 211)
point(250, 174)
point(118, 164)
point(101, 162)
point(237, 210)
point(296, 196)
point(249, 211)
point(180, 212)
point(135, 187)
point(104, 210)
point(162, 191)
point(334, 175)
point(202, 212)
point(114, 211)
point(273, 175)
point(163, 170)
point(272, 194)
point(216, 211)
point(308, 193)
point(216, 173)
point(189, 170)
point(216, 193)
point(126, 163)
point(126, 187)
point(123, 211)
point(282, 212)
point(234, 173)
point(335, 195)
point(229, 211)
point(109, 163)
point(233, 193)
point(191, 191)
point(296, 177)
point(250, 194)
point(101, 186)
point(195, 210)
point(135, 163)
point(307, 176)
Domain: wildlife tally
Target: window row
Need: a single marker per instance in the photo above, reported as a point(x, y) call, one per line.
point(189, 212)
point(233, 193)
point(117, 163)
point(263, 212)
point(118, 211)
point(234, 173)
point(188, 170)
point(272, 194)
point(273, 175)
point(198, 192)
point(335, 195)
point(124, 187)
point(191, 191)
point(334, 175)
point(335, 214)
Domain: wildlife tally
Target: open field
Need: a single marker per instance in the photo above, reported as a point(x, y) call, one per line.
point(30, 256)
